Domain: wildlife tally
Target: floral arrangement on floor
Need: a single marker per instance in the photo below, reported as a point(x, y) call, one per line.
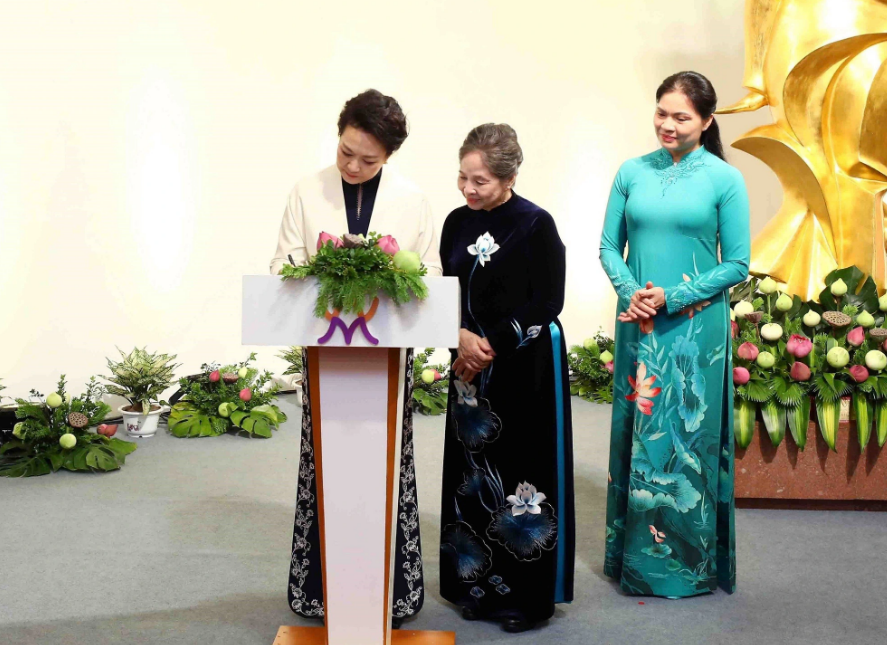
point(591, 369)
point(224, 398)
point(353, 270)
point(430, 384)
point(53, 434)
point(789, 354)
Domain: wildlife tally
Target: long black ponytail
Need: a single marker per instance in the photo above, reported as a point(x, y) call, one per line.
point(701, 93)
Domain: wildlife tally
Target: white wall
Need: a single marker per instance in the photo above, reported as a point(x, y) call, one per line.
point(147, 148)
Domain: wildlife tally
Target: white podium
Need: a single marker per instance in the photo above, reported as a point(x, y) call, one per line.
point(355, 376)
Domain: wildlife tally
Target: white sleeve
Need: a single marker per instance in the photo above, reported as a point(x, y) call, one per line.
point(290, 242)
point(428, 247)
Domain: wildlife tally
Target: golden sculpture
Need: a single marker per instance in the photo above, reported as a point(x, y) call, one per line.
point(821, 66)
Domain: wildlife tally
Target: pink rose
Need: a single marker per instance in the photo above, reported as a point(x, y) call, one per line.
point(800, 372)
point(388, 245)
point(609, 366)
point(748, 351)
point(859, 373)
point(740, 376)
point(856, 337)
point(326, 237)
point(734, 329)
point(799, 346)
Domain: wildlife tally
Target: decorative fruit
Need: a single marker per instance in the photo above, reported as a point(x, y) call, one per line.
point(811, 318)
point(838, 288)
point(743, 308)
point(246, 394)
point(107, 430)
point(437, 375)
point(865, 319)
point(242, 372)
point(214, 377)
point(837, 357)
point(606, 357)
point(768, 285)
point(408, 261)
point(223, 410)
point(428, 376)
point(771, 331)
point(876, 360)
point(67, 441)
point(18, 429)
point(229, 377)
point(784, 302)
point(766, 360)
point(590, 344)
point(54, 400)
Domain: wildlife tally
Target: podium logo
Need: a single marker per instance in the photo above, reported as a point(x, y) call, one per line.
point(360, 323)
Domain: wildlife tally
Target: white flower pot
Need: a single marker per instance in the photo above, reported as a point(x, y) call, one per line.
point(140, 425)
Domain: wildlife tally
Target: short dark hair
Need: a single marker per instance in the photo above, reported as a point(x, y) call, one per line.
point(378, 115)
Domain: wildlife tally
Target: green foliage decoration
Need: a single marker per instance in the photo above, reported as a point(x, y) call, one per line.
point(140, 377)
point(430, 398)
point(589, 377)
point(293, 356)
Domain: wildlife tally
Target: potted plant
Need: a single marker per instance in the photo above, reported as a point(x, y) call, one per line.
point(53, 434)
point(293, 357)
point(223, 398)
point(591, 369)
point(430, 384)
point(141, 379)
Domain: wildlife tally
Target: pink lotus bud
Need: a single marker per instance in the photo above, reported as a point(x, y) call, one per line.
point(800, 372)
point(215, 376)
point(388, 245)
point(748, 351)
point(799, 346)
point(609, 366)
point(856, 337)
point(859, 373)
point(246, 394)
point(740, 376)
point(326, 237)
point(734, 329)
point(437, 375)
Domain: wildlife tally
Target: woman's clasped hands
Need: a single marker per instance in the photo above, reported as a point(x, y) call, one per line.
point(475, 355)
point(644, 304)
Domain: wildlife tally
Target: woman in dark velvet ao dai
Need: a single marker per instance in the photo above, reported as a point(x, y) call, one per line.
point(507, 520)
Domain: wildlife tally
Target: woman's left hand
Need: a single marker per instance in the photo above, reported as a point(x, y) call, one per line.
point(463, 371)
point(653, 296)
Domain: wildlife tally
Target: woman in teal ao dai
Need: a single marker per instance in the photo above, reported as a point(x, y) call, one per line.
point(670, 510)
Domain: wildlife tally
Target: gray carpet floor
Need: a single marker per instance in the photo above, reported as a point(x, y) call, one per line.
point(190, 542)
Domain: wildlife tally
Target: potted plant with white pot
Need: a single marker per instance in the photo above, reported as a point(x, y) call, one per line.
point(141, 379)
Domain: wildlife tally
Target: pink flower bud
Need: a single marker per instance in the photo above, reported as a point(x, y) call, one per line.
point(388, 245)
point(609, 366)
point(246, 394)
point(215, 376)
point(740, 376)
point(437, 375)
point(856, 337)
point(799, 346)
point(859, 373)
point(734, 329)
point(748, 351)
point(800, 372)
point(326, 237)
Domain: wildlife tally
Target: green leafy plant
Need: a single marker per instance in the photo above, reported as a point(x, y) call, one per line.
point(353, 274)
point(53, 434)
point(293, 356)
point(141, 378)
point(224, 398)
point(430, 384)
point(591, 377)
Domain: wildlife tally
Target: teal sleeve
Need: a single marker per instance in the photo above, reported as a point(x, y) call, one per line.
point(614, 238)
point(733, 237)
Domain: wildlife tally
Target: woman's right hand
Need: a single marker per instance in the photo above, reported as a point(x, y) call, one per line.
point(640, 307)
point(475, 352)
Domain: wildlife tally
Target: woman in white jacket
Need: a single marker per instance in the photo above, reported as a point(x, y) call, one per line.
point(357, 195)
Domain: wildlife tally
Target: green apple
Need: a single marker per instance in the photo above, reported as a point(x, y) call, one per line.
point(428, 376)
point(742, 308)
point(811, 318)
point(408, 261)
point(767, 285)
point(838, 288)
point(18, 429)
point(590, 344)
point(766, 360)
point(837, 357)
point(223, 410)
point(606, 357)
point(784, 302)
point(876, 360)
point(54, 400)
point(865, 319)
point(242, 372)
point(67, 441)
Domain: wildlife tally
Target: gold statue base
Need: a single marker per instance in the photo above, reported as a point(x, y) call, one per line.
point(287, 635)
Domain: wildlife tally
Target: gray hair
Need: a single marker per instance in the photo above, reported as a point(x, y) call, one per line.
point(498, 146)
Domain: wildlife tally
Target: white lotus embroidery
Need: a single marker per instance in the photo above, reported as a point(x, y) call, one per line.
point(467, 393)
point(526, 500)
point(484, 248)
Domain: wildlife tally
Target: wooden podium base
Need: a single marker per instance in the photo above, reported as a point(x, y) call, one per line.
point(317, 636)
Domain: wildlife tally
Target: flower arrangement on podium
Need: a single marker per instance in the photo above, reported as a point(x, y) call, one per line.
point(431, 384)
point(226, 398)
point(353, 270)
point(789, 354)
point(591, 369)
point(53, 434)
